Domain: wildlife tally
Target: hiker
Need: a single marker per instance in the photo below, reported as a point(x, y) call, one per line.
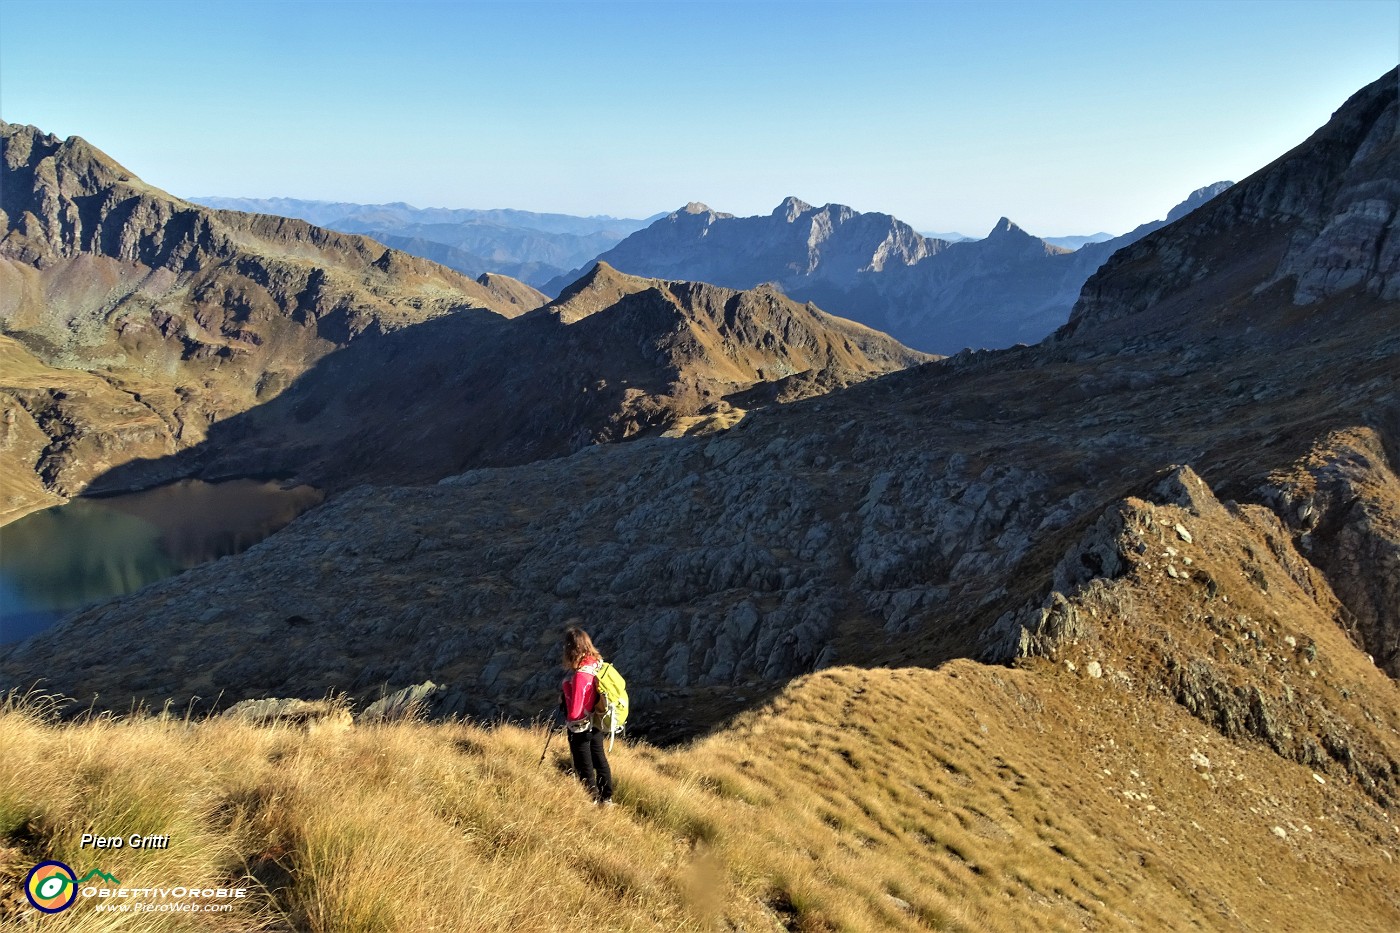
point(580, 694)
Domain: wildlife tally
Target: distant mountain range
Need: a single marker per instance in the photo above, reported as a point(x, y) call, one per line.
point(936, 296)
point(533, 248)
point(1074, 242)
point(951, 236)
point(1068, 242)
point(1009, 287)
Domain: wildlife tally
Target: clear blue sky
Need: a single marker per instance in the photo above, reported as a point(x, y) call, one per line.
point(1066, 117)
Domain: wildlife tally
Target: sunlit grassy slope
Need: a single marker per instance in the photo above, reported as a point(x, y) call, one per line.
point(966, 798)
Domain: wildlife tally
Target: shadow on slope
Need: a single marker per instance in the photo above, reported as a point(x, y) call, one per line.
point(613, 358)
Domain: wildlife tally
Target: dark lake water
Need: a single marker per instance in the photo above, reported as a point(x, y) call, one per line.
point(60, 559)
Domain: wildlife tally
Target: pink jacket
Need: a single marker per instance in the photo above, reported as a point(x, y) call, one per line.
point(580, 693)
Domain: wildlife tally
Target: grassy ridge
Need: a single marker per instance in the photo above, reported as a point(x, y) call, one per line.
point(968, 798)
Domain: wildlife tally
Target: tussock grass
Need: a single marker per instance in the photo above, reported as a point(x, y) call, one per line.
point(855, 800)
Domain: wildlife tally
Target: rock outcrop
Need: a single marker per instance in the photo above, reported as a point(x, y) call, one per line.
point(1211, 605)
point(1340, 504)
point(306, 715)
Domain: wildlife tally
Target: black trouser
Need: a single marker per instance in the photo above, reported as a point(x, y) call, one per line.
point(591, 762)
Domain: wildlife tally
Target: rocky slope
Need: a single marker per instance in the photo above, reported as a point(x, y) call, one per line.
point(1317, 225)
point(141, 319)
point(1010, 287)
point(1178, 496)
point(614, 357)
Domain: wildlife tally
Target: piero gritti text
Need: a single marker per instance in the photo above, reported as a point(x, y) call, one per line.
point(133, 841)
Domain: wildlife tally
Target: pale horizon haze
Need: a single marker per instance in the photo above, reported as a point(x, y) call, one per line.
point(1069, 118)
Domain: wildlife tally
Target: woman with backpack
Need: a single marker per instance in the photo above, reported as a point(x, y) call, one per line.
point(580, 694)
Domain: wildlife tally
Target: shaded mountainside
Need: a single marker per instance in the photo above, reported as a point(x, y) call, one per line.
point(614, 357)
point(467, 263)
point(1010, 287)
point(528, 246)
point(137, 320)
point(1316, 223)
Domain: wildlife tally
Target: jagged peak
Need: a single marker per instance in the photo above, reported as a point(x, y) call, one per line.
point(698, 209)
point(74, 150)
point(1006, 228)
point(10, 129)
point(791, 208)
point(601, 286)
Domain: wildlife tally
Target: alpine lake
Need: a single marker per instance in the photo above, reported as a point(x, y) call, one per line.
point(60, 559)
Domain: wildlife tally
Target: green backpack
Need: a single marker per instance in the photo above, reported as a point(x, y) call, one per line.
point(610, 710)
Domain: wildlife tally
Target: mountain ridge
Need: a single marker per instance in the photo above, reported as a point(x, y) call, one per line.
point(931, 294)
point(1323, 254)
point(615, 358)
point(531, 246)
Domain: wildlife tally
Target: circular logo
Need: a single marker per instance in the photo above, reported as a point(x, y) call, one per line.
point(51, 887)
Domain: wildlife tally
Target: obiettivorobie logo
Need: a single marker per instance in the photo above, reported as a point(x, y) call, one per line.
point(53, 886)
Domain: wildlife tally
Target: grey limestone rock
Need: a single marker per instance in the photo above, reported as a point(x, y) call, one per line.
point(304, 714)
point(1343, 521)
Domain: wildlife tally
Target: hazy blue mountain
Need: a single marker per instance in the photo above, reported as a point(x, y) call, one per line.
point(1074, 242)
point(526, 245)
point(928, 293)
point(951, 237)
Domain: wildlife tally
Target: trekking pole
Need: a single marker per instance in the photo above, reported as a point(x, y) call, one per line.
point(548, 735)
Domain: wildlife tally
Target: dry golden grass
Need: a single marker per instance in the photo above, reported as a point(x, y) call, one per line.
point(968, 798)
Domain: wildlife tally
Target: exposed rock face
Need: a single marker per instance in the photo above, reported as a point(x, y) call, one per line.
point(790, 244)
point(141, 318)
point(1192, 598)
point(1008, 288)
point(1341, 505)
point(1318, 220)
